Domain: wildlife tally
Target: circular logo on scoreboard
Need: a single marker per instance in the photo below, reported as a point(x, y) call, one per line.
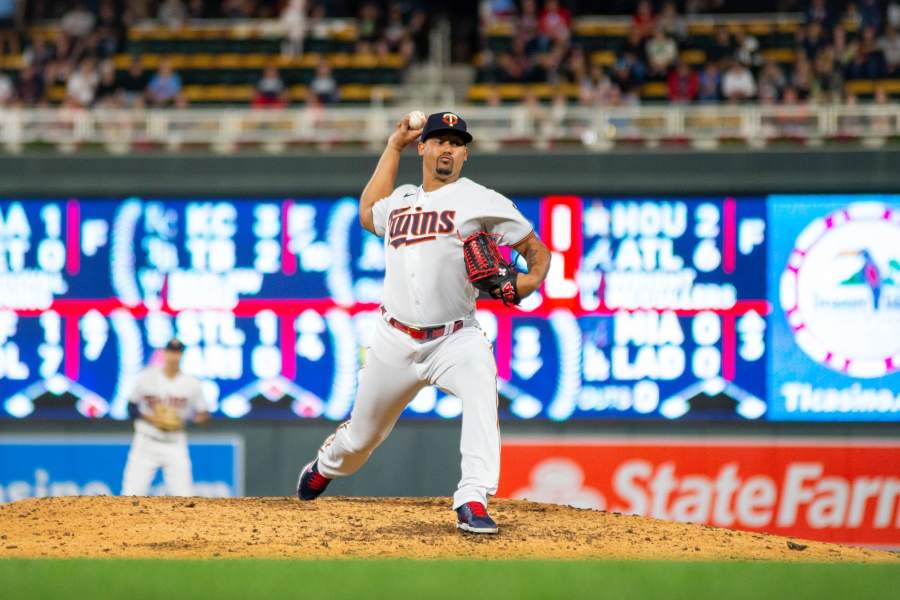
point(840, 290)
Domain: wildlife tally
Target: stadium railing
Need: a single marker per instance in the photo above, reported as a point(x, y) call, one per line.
point(496, 128)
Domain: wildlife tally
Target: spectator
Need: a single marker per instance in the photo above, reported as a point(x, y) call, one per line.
point(661, 54)
point(802, 80)
point(889, 44)
point(843, 51)
point(597, 89)
point(628, 74)
point(852, 19)
point(165, 87)
point(172, 13)
point(7, 90)
point(324, 87)
point(31, 87)
point(293, 22)
point(870, 12)
point(12, 13)
point(528, 27)
point(367, 23)
point(555, 21)
point(38, 54)
point(59, 66)
point(875, 60)
point(644, 21)
point(634, 44)
point(418, 32)
point(710, 83)
point(497, 10)
point(78, 21)
point(792, 97)
point(133, 85)
point(771, 82)
point(893, 14)
point(82, 85)
point(317, 27)
point(674, 25)
point(814, 40)
point(829, 81)
point(197, 9)
point(270, 90)
point(738, 84)
point(111, 36)
point(518, 65)
point(238, 9)
point(722, 49)
point(746, 48)
point(107, 91)
point(684, 84)
point(395, 31)
point(818, 12)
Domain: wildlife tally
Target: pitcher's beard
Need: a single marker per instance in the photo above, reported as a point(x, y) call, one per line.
point(444, 171)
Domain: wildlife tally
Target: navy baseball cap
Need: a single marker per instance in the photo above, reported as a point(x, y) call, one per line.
point(446, 121)
point(175, 345)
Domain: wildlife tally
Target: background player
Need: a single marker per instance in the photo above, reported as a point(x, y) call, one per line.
point(163, 401)
point(428, 334)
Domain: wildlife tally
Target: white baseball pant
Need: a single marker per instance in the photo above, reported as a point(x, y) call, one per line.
point(396, 368)
point(148, 454)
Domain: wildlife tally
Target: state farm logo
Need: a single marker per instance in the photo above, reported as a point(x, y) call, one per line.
point(560, 481)
point(806, 495)
point(840, 290)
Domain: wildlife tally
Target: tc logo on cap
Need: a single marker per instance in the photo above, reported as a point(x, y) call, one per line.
point(450, 119)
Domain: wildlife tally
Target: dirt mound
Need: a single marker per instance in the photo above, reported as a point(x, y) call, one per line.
point(370, 527)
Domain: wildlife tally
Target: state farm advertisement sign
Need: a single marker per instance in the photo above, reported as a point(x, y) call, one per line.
point(845, 492)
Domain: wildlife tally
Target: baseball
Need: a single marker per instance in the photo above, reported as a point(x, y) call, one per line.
point(416, 119)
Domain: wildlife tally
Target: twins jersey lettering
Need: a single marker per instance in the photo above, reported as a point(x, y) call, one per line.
point(183, 393)
point(425, 277)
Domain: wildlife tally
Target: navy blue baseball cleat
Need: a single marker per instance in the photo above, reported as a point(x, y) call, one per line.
point(311, 483)
point(474, 518)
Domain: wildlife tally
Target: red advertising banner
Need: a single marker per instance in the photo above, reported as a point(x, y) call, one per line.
point(845, 492)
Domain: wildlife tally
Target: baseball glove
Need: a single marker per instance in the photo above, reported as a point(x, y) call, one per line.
point(167, 418)
point(488, 270)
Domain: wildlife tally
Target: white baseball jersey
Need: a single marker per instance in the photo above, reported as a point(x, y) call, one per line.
point(183, 393)
point(425, 276)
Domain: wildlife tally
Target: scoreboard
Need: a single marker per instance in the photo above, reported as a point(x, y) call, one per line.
point(654, 308)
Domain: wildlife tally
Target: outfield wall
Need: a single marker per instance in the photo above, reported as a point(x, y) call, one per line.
point(421, 457)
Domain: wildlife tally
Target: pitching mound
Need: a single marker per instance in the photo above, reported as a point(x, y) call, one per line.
point(371, 527)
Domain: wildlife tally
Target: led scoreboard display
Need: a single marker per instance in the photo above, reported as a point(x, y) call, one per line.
point(660, 308)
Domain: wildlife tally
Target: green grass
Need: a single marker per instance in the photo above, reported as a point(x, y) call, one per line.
point(426, 580)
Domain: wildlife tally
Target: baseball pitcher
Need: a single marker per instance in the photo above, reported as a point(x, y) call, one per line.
point(440, 242)
point(164, 400)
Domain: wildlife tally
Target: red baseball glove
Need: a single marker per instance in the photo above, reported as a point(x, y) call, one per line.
point(488, 270)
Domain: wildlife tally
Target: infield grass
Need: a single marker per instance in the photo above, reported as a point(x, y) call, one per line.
point(427, 580)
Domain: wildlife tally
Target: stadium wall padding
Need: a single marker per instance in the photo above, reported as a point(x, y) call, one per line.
point(422, 458)
point(527, 172)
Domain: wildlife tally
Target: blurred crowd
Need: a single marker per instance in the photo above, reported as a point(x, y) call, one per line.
point(838, 42)
point(81, 54)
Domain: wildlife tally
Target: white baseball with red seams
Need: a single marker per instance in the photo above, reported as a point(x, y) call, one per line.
point(417, 119)
point(153, 448)
point(426, 285)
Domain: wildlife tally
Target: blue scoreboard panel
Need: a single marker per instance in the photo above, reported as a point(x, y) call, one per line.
point(780, 307)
